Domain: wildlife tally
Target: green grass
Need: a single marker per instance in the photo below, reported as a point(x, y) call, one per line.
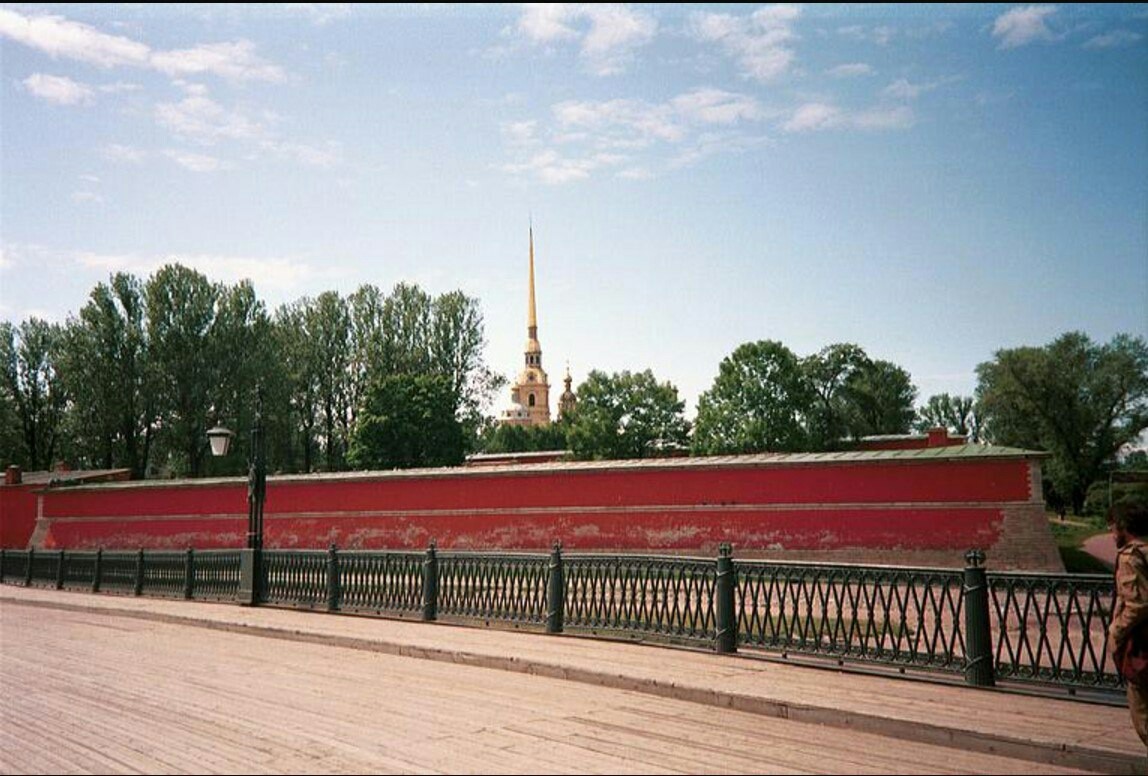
point(1070, 535)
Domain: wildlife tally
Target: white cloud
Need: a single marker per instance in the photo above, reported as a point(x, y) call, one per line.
point(594, 136)
point(1023, 25)
point(1113, 39)
point(760, 41)
point(6, 261)
point(121, 153)
point(553, 168)
point(817, 116)
point(119, 87)
point(58, 89)
point(59, 38)
point(902, 89)
point(609, 33)
point(326, 156)
point(201, 119)
point(320, 13)
point(851, 70)
point(87, 196)
point(196, 162)
point(547, 22)
point(281, 275)
point(63, 39)
point(813, 116)
point(887, 117)
point(714, 106)
point(235, 61)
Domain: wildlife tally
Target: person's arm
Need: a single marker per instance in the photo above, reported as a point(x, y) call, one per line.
point(1132, 589)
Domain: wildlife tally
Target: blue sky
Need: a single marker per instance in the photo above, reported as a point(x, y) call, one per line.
point(931, 183)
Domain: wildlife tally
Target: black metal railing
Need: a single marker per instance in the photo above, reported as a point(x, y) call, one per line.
point(1052, 628)
point(902, 616)
point(1047, 629)
point(641, 595)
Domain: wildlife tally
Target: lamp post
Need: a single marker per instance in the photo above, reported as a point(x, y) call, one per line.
point(251, 558)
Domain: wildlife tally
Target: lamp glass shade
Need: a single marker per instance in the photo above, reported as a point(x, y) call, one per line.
point(220, 439)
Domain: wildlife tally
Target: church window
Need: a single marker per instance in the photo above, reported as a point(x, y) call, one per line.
point(531, 400)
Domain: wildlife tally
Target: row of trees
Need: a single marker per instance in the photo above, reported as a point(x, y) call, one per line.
point(375, 380)
point(139, 375)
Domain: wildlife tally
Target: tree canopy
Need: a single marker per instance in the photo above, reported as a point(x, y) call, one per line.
point(1080, 401)
point(626, 415)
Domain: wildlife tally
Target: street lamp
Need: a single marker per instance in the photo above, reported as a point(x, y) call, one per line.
point(251, 560)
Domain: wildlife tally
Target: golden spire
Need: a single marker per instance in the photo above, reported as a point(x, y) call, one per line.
point(531, 314)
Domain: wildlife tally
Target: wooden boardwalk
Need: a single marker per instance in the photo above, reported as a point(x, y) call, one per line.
point(106, 690)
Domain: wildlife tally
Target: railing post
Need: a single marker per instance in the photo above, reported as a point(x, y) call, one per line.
point(189, 574)
point(978, 638)
point(28, 571)
point(2, 565)
point(555, 591)
point(98, 571)
point(250, 567)
point(430, 584)
point(334, 589)
point(724, 612)
point(60, 571)
point(139, 572)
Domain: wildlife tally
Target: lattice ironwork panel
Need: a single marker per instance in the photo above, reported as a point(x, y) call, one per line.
point(641, 594)
point(15, 566)
point(883, 614)
point(1052, 628)
point(165, 574)
point(118, 572)
point(79, 569)
point(216, 575)
point(494, 587)
point(45, 567)
point(295, 578)
point(381, 581)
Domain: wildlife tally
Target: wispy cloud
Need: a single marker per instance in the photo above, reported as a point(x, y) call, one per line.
point(58, 89)
point(818, 116)
point(61, 38)
point(760, 42)
point(116, 152)
point(195, 162)
point(1023, 25)
point(903, 89)
point(199, 119)
point(583, 137)
point(608, 34)
point(282, 275)
point(851, 70)
point(87, 196)
point(320, 13)
point(1113, 39)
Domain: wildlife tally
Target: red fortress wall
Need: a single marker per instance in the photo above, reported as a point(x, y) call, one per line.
point(904, 507)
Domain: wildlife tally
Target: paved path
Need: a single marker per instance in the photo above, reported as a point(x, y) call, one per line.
point(1102, 547)
point(185, 682)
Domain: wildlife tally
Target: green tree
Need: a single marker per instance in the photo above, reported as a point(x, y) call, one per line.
point(328, 325)
point(959, 414)
point(296, 446)
point(1080, 401)
point(180, 304)
point(880, 397)
point(626, 415)
point(829, 374)
point(505, 438)
point(30, 356)
point(407, 421)
point(759, 401)
point(104, 363)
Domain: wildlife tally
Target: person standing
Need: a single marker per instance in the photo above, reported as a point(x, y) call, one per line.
point(1129, 523)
